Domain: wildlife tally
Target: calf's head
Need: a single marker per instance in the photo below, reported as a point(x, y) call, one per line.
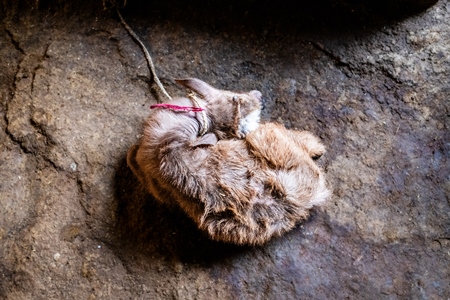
point(231, 114)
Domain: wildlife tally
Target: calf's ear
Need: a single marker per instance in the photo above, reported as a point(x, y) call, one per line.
point(200, 87)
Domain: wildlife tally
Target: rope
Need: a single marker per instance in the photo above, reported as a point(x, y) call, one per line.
point(147, 56)
point(197, 107)
point(177, 107)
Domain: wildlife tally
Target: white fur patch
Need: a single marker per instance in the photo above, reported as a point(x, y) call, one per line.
point(250, 122)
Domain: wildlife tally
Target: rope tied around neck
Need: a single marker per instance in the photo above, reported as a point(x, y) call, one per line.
point(177, 107)
point(181, 108)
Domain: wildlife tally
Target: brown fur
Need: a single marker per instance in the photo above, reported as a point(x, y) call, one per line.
point(243, 188)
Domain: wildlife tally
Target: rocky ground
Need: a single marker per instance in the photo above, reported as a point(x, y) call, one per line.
point(74, 89)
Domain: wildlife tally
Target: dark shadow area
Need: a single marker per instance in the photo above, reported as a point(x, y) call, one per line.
point(234, 16)
point(145, 225)
point(265, 17)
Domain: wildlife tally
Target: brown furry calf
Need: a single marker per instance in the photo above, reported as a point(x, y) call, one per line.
point(240, 182)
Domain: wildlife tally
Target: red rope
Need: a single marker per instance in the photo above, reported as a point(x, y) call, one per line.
point(177, 107)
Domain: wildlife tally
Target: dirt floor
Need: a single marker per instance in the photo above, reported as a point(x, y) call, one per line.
point(75, 88)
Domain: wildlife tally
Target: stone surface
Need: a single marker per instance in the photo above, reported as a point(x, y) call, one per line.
point(74, 88)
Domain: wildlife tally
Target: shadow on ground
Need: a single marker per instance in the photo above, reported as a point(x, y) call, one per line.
point(145, 225)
